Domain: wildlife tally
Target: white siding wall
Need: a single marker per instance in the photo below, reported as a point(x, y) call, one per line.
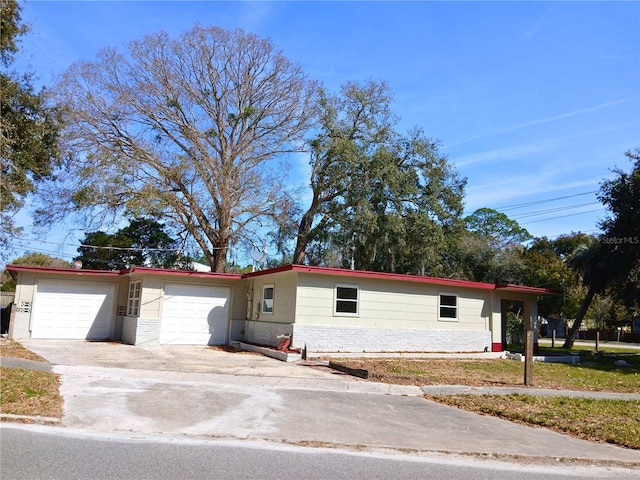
point(393, 316)
point(264, 328)
point(284, 297)
point(384, 304)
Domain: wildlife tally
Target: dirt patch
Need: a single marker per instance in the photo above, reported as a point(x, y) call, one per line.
point(9, 348)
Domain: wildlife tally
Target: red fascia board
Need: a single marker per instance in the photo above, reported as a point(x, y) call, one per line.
point(523, 288)
point(116, 273)
point(182, 273)
point(64, 270)
point(450, 282)
point(378, 275)
point(269, 271)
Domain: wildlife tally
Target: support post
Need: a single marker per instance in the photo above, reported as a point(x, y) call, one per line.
point(553, 338)
point(528, 358)
point(597, 340)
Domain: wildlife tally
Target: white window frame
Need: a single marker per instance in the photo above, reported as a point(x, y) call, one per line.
point(264, 305)
point(133, 300)
point(455, 307)
point(336, 299)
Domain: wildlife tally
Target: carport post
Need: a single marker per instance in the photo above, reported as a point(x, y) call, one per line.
point(529, 324)
point(528, 358)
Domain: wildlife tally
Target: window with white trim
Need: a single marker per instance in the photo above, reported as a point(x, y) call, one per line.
point(267, 299)
point(346, 299)
point(448, 307)
point(133, 303)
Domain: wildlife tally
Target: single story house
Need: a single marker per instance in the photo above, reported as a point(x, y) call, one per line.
point(322, 309)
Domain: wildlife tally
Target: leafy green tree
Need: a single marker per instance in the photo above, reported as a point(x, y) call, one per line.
point(410, 211)
point(497, 227)
point(546, 266)
point(621, 237)
point(351, 126)
point(143, 242)
point(28, 128)
point(491, 248)
point(35, 259)
point(612, 262)
point(193, 130)
point(590, 263)
point(381, 201)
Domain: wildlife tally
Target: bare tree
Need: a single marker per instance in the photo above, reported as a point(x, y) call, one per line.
point(193, 130)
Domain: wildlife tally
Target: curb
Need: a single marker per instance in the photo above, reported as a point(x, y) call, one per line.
point(30, 419)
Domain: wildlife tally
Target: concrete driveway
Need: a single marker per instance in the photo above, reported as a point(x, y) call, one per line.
point(190, 359)
point(208, 392)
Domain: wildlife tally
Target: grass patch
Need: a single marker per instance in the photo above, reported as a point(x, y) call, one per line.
point(609, 421)
point(595, 373)
point(9, 348)
point(30, 392)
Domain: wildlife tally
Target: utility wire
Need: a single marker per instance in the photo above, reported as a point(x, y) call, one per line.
point(553, 210)
point(547, 200)
point(104, 248)
point(562, 216)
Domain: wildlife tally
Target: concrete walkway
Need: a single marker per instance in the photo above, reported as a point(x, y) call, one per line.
point(207, 392)
point(538, 392)
point(26, 364)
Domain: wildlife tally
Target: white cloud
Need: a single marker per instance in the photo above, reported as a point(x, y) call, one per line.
point(541, 121)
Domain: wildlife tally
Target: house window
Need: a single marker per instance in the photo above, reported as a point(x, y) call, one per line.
point(448, 307)
point(267, 299)
point(347, 299)
point(133, 304)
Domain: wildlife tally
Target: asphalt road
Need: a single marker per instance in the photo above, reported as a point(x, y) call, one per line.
point(36, 452)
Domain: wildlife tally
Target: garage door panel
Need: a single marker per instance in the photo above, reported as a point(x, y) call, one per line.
point(194, 315)
point(74, 311)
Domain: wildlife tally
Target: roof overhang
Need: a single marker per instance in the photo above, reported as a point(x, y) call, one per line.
point(446, 282)
point(180, 273)
point(508, 287)
point(14, 269)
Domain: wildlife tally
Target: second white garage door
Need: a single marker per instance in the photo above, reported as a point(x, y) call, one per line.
point(194, 315)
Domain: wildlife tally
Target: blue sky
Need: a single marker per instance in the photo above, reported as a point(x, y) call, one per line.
point(533, 102)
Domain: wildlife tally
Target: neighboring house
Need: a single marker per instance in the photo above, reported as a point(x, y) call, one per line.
point(323, 309)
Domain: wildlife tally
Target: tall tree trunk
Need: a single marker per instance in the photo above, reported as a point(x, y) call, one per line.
point(571, 336)
point(304, 228)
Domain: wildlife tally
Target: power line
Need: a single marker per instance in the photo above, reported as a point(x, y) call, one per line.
point(553, 210)
point(562, 216)
point(37, 240)
point(547, 200)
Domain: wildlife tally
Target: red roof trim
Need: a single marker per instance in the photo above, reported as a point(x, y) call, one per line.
point(65, 270)
point(523, 288)
point(450, 282)
point(116, 273)
point(183, 273)
point(447, 282)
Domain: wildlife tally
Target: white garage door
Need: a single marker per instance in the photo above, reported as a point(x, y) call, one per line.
point(72, 310)
point(194, 315)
